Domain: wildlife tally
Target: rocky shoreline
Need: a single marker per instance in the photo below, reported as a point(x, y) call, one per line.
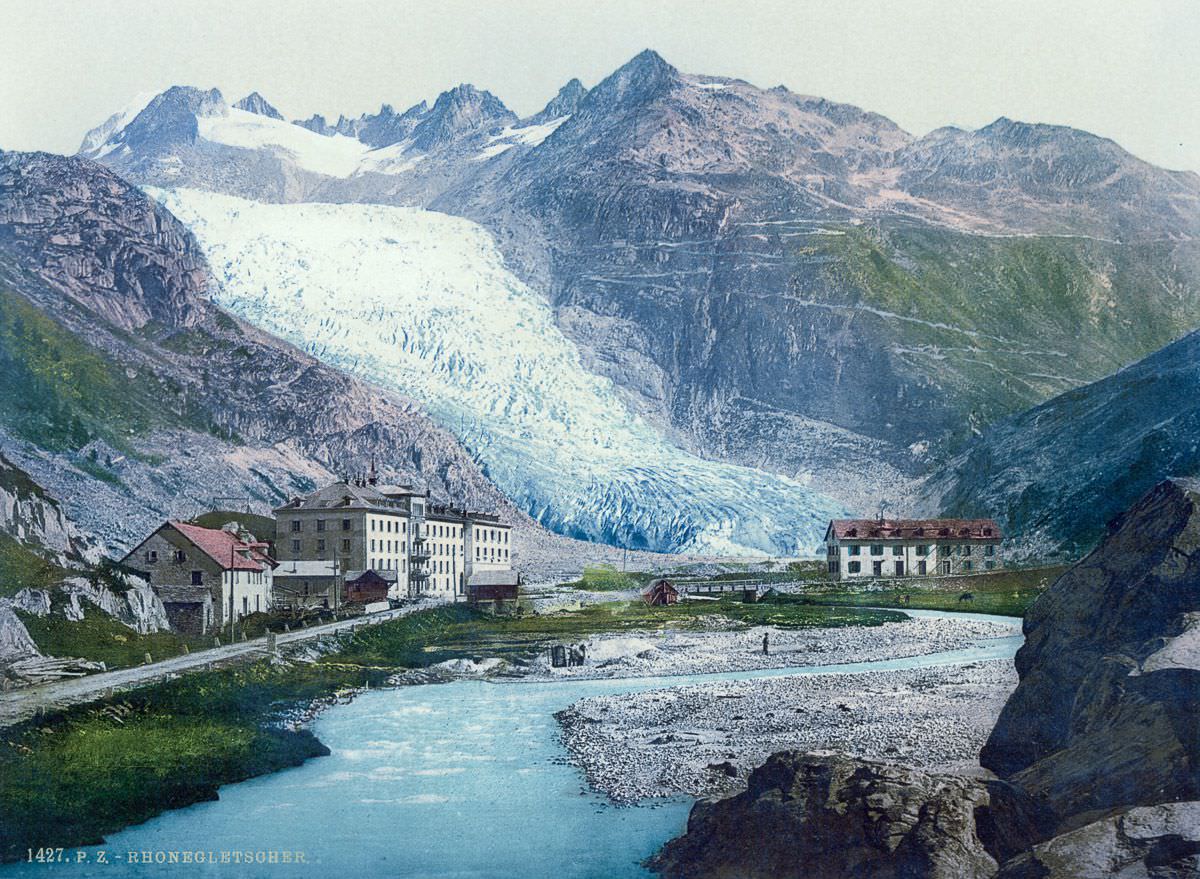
point(702, 740)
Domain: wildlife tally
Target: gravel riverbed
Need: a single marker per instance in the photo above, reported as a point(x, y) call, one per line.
point(702, 740)
point(729, 647)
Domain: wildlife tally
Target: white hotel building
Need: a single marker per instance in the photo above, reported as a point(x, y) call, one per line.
point(357, 525)
point(883, 548)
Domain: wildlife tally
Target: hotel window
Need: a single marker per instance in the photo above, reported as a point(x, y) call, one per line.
point(966, 566)
point(320, 547)
point(965, 549)
point(295, 525)
point(152, 555)
point(877, 549)
point(922, 550)
point(897, 550)
point(345, 524)
point(346, 545)
point(197, 578)
point(989, 565)
point(296, 546)
point(180, 557)
point(854, 549)
point(854, 567)
point(320, 524)
point(945, 549)
point(990, 549)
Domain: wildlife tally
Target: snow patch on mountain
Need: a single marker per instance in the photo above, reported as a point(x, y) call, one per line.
point(422, 302)
point(335, 155)
point(97, 139)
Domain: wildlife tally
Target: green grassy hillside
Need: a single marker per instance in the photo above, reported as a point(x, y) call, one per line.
point(1004, 323)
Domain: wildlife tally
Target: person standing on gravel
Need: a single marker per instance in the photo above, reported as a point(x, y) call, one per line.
point(766, 644)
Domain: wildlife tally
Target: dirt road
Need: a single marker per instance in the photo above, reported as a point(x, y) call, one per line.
point(27, 702)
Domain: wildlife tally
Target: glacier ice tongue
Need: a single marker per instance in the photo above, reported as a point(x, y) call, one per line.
point(422, 302)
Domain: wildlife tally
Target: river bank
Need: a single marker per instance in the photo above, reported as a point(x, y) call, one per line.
point(76, 776)
point(702, 740)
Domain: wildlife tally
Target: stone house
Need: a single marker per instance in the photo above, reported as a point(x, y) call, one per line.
point(205, 577)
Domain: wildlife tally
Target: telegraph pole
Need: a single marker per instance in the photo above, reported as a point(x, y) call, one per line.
point(232, 581)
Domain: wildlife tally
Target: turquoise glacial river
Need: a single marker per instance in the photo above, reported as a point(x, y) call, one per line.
point(458, 780)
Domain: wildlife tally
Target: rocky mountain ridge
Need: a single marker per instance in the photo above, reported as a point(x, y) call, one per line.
point(772, 280)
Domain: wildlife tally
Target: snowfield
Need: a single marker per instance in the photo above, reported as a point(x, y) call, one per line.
point(422, 302)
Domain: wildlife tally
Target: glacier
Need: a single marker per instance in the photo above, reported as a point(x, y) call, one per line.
point(422, 302)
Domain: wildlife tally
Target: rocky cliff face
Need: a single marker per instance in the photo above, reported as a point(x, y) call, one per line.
point(99, 242)
point(30, 516)
point(1105, 715)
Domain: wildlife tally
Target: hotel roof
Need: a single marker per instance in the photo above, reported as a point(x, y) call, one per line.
point(913, 529)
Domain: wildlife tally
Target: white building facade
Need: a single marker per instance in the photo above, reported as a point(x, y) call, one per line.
point(425, 549)
point(903, 548)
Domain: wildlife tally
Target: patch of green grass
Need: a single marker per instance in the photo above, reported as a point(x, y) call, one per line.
point(58, 392)
point(71, 779)
point(21, 567)
point(101, 638)
point(1006, 593)
point(606, 578)
point(1081, 308)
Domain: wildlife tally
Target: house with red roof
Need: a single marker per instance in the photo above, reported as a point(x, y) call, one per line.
point(206, 578)
point(895, 548)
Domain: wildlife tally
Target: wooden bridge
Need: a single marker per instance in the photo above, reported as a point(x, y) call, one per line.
point(716, 587)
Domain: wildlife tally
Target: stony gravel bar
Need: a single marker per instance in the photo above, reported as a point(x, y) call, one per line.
point(702, 740)
point(728, 647)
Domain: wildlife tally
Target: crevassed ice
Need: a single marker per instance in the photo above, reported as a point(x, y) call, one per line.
point(422, 302)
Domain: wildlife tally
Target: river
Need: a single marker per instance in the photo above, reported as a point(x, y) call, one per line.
point(465, 779)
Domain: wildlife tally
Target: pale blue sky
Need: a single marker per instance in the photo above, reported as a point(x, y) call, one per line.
point(1127, 70)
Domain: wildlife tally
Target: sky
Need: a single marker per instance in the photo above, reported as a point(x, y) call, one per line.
point(1125, 69)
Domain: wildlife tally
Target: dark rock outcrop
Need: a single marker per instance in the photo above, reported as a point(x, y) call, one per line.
point(1155, 842)
point(1107, 713)
point(816, 816)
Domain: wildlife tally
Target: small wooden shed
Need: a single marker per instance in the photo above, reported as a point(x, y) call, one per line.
point(661, 593)
point(366, 588)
